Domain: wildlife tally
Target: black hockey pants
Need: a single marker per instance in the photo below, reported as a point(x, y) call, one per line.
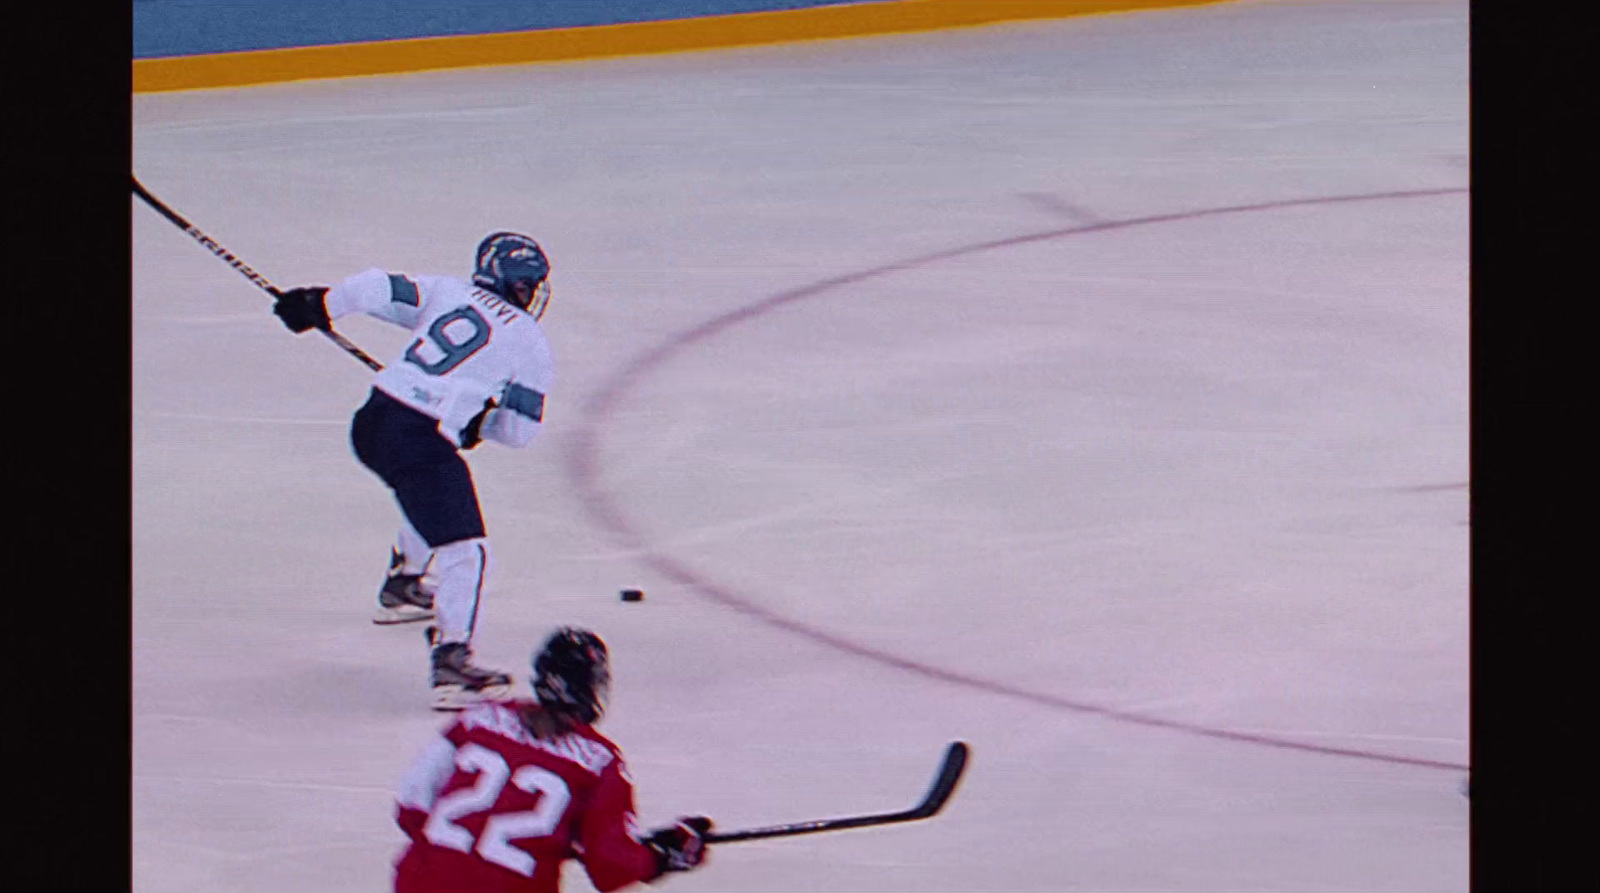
point(429, 478)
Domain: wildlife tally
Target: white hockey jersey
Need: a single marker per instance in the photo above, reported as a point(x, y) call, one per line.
point(470, 346)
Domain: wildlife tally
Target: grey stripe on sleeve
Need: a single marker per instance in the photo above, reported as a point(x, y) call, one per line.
point(524, 401)
point(403, 290)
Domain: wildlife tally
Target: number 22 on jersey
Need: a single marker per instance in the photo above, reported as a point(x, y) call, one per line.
point(494, 843)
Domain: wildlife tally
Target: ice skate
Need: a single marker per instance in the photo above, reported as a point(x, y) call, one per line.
point(457, 683)
point(404, 597)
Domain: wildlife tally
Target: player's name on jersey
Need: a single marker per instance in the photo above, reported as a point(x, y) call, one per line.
point(505, 722)
point(505, 312)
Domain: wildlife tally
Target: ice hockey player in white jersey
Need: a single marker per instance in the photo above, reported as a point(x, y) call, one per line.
point(478, 369)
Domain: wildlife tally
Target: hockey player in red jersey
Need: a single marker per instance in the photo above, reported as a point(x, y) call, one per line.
point(511, 789)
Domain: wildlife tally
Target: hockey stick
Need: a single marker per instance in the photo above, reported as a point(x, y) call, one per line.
point(260, 280)
point(944, 784)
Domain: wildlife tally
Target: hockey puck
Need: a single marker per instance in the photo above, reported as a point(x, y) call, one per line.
point(632, 595)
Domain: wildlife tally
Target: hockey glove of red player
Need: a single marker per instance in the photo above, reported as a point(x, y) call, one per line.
point(302, 309)
point(679, 847)
point(472, 434)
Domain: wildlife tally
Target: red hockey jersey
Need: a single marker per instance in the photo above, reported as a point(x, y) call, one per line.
point(491, 809)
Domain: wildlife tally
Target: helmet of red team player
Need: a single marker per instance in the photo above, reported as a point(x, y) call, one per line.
point(572, 674)
point(514, 267)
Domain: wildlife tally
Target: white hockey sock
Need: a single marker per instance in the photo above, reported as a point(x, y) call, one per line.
point(460, 569)
point(414, 550)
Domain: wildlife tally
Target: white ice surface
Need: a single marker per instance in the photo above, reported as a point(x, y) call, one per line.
point(1210, 469)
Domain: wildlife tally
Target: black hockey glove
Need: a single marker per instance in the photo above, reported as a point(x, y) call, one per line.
point(302, 309)
point(679, 847)
point(472, 434)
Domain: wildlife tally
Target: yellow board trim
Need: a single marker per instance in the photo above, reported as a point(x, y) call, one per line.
point(598, 41)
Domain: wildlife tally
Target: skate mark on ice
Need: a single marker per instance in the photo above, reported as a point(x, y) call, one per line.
point(1055, 204)
point(583, 469)
point(1434, 488)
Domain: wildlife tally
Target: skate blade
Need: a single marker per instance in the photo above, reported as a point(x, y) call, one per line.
point(455, 697)
point(405, 614)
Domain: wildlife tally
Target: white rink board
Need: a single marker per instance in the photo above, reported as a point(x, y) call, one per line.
point(1209, 469)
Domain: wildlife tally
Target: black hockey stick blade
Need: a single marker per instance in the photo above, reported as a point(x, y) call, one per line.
point(944, 784)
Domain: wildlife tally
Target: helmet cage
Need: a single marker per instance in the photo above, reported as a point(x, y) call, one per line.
point(540, 299)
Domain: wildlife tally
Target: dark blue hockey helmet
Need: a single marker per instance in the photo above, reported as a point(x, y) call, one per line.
point(514, 267)
point(572, 674)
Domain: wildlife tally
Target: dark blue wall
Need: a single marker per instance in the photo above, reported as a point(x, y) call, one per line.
point(187, 27)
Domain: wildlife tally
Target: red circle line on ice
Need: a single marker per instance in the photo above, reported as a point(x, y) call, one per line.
point(583, 469)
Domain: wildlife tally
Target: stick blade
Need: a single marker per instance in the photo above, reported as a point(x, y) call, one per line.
point(944, 784)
